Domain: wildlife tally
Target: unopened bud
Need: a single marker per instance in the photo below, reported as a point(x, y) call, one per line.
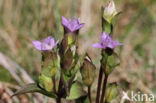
point(87, 71)
point(67, 41)
point(64, 44)
point(66, 62)
point(109, 11)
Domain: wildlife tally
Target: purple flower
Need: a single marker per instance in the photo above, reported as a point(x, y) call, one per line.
point(72, 24)
point(47, 44)
point(106, 42)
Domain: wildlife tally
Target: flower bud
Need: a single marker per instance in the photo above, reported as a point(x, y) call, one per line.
point(109, 11)
point(66, 62)
point(67, 41)
point(111, 92)
point(87, 71)
point(64, 45)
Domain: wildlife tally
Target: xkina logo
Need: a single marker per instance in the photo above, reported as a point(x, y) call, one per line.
point(137, 97)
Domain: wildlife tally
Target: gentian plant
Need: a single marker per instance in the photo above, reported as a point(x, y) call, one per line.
point(62, 65)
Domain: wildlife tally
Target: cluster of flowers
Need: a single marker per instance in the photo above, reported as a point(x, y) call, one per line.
point(73, 25)
point(67, 58)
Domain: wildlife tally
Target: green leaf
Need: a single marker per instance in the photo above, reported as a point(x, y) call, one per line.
point(76, 91)
point(33, 87)
point(83, 99)
point(49, 63)
point(112, 62)
point(111, 92)
point(67, 80)
point(46, 82)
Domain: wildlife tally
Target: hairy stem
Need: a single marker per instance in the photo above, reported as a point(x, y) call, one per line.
point(99, 84)
point(89, 94)
point(104, 88)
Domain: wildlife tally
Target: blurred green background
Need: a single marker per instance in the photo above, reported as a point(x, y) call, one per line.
point(22, 21)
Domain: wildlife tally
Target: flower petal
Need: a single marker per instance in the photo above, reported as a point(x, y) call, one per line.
point(49, 40)
point(78, 20)
point(37, 44)
point(79, 26)
point(72, 24)
point(113, 44)
point(104, 36)
point(117, 43)
point(64, 21)
point(97, 45)
point(45, 47)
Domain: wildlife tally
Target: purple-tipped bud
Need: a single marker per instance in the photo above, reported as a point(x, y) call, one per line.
point(72, 25)
point(106, 42)
point(109, 11)
point(46, 45)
